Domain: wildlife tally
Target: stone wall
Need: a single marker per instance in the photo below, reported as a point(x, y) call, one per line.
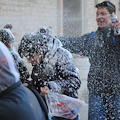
point(28, 15)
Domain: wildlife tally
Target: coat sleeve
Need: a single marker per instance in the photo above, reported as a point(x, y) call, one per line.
point(24, 73)
point(68, 81)
point(77, 45)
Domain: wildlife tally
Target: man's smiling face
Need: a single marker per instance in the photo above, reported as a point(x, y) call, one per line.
point(103, 17)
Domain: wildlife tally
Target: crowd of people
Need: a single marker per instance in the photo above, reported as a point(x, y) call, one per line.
point(53, 70)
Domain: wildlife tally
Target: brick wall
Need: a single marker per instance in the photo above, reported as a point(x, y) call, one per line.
point(28, 15)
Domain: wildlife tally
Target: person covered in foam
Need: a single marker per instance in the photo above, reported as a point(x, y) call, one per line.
point(7, 37)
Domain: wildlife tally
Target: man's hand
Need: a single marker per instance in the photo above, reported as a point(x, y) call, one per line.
point(44, 91)
point(117, 24)
point(25, 84)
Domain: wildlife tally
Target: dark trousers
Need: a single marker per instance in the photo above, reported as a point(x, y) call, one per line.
point(104, 107)
point(59, 118)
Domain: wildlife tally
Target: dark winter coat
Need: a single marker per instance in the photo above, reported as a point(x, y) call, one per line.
point(57, 70)
point(19, 103)
point(104, 58)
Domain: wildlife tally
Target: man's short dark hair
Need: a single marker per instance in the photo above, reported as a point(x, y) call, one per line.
point(108, 5)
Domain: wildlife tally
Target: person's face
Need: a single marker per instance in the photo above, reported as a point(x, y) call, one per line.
point(33, 58)
point(103, 17)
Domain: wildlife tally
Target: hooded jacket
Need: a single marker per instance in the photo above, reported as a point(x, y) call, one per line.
point(7, 37)
point(104, 58)
point(16, 101)
point(57, 69)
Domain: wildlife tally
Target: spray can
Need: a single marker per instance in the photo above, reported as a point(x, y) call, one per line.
point(116, 31)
